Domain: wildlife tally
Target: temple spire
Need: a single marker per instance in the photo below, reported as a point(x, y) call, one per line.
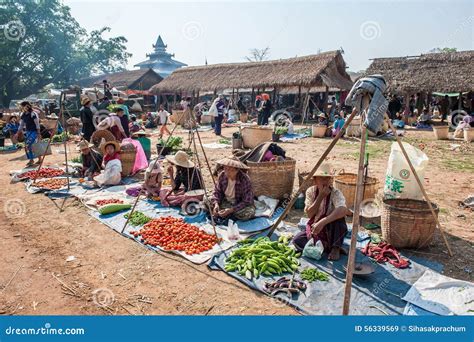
point(160, 60)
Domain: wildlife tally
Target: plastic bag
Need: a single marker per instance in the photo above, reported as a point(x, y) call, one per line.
point(399, 180)
point(313, 250)
point(213, 110)
point(111, 175)
point(233, 231)
point(41, 148)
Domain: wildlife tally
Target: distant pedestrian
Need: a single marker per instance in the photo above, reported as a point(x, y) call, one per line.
point(266, 109)
point(163, 116)
point(87, 119)
point(220, 105)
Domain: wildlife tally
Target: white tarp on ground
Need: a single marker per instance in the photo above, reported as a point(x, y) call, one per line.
point(442, 295)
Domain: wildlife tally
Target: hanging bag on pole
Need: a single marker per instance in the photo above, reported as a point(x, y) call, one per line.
point(400, 181)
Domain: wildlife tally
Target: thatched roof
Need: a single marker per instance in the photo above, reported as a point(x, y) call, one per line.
point(445, 72)
point(327, 68)
point(141, 79)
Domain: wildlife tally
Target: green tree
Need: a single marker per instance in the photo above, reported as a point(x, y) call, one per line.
point(41, 43)
point(445, 49)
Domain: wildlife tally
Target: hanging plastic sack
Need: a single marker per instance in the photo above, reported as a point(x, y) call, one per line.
point(400, 181)
point(213, 110)
point(313, 250)
point(232, 231)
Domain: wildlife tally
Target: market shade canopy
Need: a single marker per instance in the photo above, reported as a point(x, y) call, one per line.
point(321, 70)
point(141, 79)
point(441, 72)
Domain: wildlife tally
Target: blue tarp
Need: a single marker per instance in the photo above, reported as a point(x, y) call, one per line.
point(376, 295)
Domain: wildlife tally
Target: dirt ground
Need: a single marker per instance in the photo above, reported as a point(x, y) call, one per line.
point(36, 239)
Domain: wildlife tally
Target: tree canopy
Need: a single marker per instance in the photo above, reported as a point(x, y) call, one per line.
point(41, 43)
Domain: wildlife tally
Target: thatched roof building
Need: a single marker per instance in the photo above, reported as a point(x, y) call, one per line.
point(444, 72)
point(141, 79)
point(321, 70)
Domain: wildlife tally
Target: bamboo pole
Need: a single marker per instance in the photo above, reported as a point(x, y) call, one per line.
point(305, 106)
point(154, 163)
point(311, 173)
point(205, 157)
point(422, 188)
point(356, 218)
point(208, 202)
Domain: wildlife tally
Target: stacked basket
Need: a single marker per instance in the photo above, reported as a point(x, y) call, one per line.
point(272, 179)
point(346, 183)
point(253, 136)
point(408, 223)
point(127, 157)
point(97, 137)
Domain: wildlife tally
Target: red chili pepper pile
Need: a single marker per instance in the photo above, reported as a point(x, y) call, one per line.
point(42, 173)
point(51, 184)
point(173, 233)
point(108, 201)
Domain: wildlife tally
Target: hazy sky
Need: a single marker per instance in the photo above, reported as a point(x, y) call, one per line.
point(224, 31)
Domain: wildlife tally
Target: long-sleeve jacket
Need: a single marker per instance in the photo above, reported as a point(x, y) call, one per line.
point(243, 190)
point(92, 162)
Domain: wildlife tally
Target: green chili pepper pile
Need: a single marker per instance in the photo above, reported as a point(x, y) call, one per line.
point(138, 218)
point(262, 256)
point(312, 274)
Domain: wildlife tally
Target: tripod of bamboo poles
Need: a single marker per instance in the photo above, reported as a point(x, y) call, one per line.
point(207, 200)
point(193, 131)
point(154, 164)
point(63, 123)
point(359, 195)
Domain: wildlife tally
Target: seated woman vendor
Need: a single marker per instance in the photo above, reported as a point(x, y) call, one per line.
point(326, 209)
point(186, 178)
point(112, 174)
point(91, 160)
point(153, 179)
point(233, 194)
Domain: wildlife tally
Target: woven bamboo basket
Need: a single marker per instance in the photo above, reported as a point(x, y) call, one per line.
point(179, 117)
point(49, 123)
point(97, 137)
point(346, 182)
point(272, 179)
point(441, 132)
point(468, 134)
point(255, 135)
point(318, 131)
point(127, 157)
point(408, 223)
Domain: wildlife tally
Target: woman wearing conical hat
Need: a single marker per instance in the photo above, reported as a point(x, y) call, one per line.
point(326, 209)
point(233, 194)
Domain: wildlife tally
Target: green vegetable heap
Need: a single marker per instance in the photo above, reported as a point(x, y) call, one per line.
point(173, 142)
point(262, 256)
point(138, 218)
point(312, 274)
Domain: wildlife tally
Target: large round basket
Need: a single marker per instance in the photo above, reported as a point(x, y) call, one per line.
point(318, 131)
point(468, 134)
point(178, 117)
point(353, 130)
point(127, 157)
point(408, 223)
point(441, 132)
point(346, 182)
point(97, 136)
point(272, 179)
point(255, 135)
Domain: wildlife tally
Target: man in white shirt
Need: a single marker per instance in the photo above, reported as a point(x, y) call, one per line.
point(163, 116)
